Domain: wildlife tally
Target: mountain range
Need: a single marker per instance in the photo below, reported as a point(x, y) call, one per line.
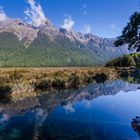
point(24, 45)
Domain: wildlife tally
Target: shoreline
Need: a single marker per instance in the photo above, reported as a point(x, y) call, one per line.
point(19, 83)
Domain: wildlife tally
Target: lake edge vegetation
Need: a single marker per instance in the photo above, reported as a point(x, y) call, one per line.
point(24, 82)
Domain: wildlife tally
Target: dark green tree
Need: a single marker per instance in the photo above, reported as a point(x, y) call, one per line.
point(131, 33)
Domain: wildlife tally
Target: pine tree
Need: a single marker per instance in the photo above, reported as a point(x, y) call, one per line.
point(131, 33)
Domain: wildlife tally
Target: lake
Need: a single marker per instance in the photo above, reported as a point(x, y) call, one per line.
point(107, 111)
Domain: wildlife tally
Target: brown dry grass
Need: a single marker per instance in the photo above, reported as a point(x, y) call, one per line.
point(25, 80)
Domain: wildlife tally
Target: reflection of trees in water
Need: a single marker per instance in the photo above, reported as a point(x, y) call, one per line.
point(136, 124)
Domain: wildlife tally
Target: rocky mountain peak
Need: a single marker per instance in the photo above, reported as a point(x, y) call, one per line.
point(70, 34)
point(28, 33)
point(23, 31)
point(49, 30)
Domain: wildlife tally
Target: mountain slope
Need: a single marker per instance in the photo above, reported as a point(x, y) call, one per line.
point(24, 45)
point(23, 31)
point(52, 54)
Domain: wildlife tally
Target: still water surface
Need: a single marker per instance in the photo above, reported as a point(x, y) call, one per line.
point(108, 111)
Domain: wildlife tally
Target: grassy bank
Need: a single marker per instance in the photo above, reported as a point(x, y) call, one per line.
point(23, 82)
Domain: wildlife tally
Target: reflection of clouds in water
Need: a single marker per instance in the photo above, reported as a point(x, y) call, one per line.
point(40, 115)
point(87, 104)
point(4, 118)
point(39, 112)
point(69, 108)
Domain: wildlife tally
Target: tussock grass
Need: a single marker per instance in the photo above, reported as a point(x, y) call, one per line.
point(27, 80)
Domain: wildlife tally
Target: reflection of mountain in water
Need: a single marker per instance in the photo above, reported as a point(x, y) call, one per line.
point(95, 90)
point(51, 100)
point(35, 112)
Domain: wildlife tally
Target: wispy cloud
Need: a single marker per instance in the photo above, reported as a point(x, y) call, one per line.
point(34, 14)
point(85, 12)
point(112, 26)
point(68, 23)
point(84, 6)
point(3, 16)
point(87, 29)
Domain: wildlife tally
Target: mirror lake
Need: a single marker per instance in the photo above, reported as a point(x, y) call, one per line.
point(103, 111)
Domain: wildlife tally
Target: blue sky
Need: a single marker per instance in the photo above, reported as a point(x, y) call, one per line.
point(104, 18)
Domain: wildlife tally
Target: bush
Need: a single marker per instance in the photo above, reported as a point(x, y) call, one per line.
point(124, 74)
point(87, 79)
point(128, 61)
point(58, 84)
point(73, 81)
point(100, 78)
point(46, 85)
point(125, 61)
point(43, 85)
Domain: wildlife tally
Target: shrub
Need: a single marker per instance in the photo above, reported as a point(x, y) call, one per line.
point(43, 85)
point(73, 81)
point(125, 61)
point(88, 79)
point(124, 74)
point(128, 61)
point(100, 78)
point(58, 84)
point(46, 85)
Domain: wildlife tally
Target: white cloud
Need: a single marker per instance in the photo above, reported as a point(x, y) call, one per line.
point(34, 14)
point(68, 23)
point(3, 16)
point(112, 26)
point(84, 6)
point(87, 28)
point(85, 12)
